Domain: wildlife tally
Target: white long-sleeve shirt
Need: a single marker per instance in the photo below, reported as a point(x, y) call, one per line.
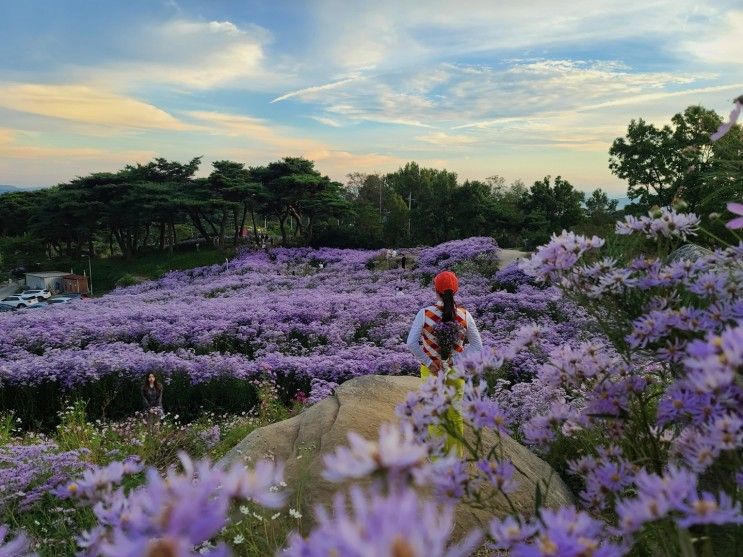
point(473, 345)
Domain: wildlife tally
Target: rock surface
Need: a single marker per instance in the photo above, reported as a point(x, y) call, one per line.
point(505, 256)
point(689, 252)
point(362, 405)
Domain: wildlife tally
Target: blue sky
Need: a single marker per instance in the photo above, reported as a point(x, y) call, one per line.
point(481, 88)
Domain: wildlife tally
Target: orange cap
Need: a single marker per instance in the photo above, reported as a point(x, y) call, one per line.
point(446, 280)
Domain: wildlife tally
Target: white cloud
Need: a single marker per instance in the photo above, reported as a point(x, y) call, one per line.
point(721, 43)
point(188, 54)
point(87, 105)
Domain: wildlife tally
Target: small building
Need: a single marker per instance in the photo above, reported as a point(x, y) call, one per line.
point(49, 280)
point(75, 284)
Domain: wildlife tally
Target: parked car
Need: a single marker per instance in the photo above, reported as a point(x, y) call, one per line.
point(3, 308)
point(38, 305)
point(60, 300)
point(37, 294)
point(18, 302)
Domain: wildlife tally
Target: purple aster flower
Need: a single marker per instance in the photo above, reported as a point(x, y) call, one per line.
point(480, 411)
point(171, 515)
point(608, 478)
point(259, 485)
point(13, 547)
point(448, 476)
point(736, 209)
point(710, 510)
point(499, 473)
point(560, 254)
point(510, 530)
point(664, 222)
point(399, 523)
point(97, 483)
point(564, 532)
point(396, 453)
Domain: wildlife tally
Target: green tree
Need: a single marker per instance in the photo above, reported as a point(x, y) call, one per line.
point(677, 161)
point(550, 208)
point(296, 190)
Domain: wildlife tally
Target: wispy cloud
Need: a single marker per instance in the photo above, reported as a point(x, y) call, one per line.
point(327, 121)
point(446, 140)
point(261, 139)
point(311, 92)
point(87, 105)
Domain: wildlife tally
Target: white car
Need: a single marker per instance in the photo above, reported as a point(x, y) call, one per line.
point(59, 300)
point(35, 294)
point(18, 302)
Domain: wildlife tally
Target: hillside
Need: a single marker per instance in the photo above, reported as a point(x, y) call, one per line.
point(210, 327)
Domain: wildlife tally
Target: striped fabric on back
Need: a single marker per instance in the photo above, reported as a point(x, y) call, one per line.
point(433, 316)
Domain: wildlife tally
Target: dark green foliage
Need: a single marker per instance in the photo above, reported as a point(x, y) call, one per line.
point(153, 207)
point(678, 161)
point(115, 398)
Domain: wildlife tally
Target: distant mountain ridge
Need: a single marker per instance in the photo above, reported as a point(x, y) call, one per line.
point(7, 188)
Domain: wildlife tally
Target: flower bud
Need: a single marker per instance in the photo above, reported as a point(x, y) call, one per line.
point(680, 205)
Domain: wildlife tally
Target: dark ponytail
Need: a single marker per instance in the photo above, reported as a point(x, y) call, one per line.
point(450, 308)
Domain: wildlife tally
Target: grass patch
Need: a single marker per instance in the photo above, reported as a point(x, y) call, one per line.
point(110, 270)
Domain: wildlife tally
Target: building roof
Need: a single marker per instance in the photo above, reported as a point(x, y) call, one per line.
point(47, 274)
point(75, 277)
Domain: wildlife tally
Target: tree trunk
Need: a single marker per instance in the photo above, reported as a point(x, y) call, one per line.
point(223, 226)
point(173, 238)
point(310, 222)
point(210, 223)
point(252, 218)
point(198, 224)
point(282, 218)
point(146, 236)
point(122, 243)
point(162, 235)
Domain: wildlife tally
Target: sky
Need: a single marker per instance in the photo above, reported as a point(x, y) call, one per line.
point(517, 89)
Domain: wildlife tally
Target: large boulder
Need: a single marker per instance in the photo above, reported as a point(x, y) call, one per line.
point(689, 252)
point(362, 405)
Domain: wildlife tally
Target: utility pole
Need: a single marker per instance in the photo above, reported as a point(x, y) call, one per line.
point(380, 200)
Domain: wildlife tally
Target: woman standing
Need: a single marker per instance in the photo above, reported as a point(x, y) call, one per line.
point(152, 397)
point(438, 332)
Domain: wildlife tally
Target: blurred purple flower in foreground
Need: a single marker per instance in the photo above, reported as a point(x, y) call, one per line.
point(173, 514)
point(13, 547)
point(397, 453)
point(737, 209)
point(725, 126)
point(398, 524)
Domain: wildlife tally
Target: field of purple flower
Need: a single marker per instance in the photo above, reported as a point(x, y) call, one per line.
point(210, 332)
point(636, 398)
